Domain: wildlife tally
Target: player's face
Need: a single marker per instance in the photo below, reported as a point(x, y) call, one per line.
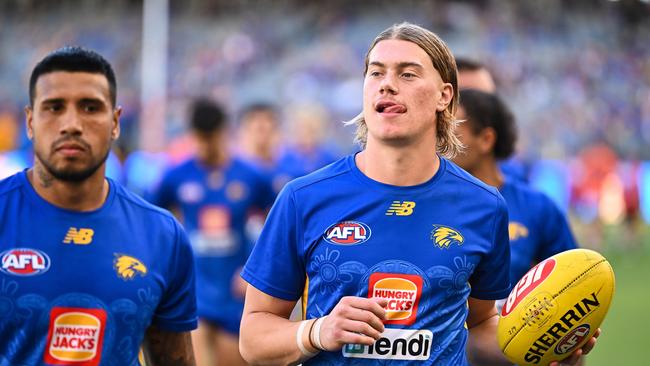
point(72, 124)
point(478, 79)
point(260, 128)
point(210, 145)
point(469, 159)
point(402, 92)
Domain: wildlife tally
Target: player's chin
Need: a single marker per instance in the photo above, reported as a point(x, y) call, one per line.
point(74, 172)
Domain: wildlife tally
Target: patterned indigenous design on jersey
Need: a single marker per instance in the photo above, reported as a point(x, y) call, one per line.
point(426, 264)
point(84, 287)
point(214, 206)
point(537, 228)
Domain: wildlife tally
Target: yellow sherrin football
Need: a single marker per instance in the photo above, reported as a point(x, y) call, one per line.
point(556, 307)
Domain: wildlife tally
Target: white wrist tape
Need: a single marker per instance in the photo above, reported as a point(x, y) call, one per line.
point(301, 347)
point(317, 326)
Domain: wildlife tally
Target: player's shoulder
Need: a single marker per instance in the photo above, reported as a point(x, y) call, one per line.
point(11, 184)
point(139, 206)
point(322, 177)
point(182, 166)
point(470, 185)
point(248, 169)
point(529, 195)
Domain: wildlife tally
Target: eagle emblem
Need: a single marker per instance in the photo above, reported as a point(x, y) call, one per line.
point(127, 267)
point(443, 237)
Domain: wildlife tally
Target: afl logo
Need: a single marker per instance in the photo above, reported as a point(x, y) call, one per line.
point(347, 233)
point(570, 341)
point(24, 262)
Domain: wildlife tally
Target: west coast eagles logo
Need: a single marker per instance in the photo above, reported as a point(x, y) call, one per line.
point(443, 237)
point(127, 267)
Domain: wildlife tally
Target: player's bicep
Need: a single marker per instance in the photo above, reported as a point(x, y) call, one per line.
point(163, 348)
point(479, 311)
point(260, 302)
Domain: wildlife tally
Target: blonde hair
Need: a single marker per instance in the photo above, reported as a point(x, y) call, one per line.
point(448, 145)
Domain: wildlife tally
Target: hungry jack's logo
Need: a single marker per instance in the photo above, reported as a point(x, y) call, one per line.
point(403, 293)
point(75, 336)
point(443, 236)
point(127, 267)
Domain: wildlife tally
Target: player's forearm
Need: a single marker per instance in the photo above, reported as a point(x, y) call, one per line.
point(482, 345)
point(268, 339)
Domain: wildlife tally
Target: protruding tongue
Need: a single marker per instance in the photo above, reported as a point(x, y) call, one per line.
point(396, 108)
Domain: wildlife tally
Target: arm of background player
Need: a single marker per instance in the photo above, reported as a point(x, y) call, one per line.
point(482, 345)
point(162, 348)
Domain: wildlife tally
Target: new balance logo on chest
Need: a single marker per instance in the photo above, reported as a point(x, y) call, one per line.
point(80, 236)
point(400, 208)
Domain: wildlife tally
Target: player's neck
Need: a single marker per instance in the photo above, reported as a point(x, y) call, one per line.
point(216, 159)
point(398, 166)
point(87, 195)
point(489, 173)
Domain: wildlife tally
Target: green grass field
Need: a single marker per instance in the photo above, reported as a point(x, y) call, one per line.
point(625, 330)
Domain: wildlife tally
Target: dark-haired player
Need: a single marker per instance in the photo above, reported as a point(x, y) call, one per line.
point(89, 271)
point(214, 194)
point(537, 228)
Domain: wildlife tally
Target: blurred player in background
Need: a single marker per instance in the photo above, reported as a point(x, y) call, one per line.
point(214, 194)
point(537, 228)
point(259, 136)
point(89, 270)
point(474, 75)
point(306, 149)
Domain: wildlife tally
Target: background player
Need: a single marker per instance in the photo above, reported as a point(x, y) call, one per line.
point(537, 228)
point(474, 75)
point(259, 136)
point(89, 270)
point(214, 194)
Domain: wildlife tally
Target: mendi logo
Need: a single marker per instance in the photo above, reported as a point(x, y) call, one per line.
point(395, 344)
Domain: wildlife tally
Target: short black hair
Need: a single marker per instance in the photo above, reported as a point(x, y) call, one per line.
point(465, 64)
point(73, 59)
point(259, 107)
point(207, 116)
point(484, 110)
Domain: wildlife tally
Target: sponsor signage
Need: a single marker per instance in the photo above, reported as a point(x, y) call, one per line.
point(528, 283)
point(403, 293)
point(75, 336)
point(395, 344)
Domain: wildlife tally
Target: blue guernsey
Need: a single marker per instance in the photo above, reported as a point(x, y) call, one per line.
point(537, 228)
point(81, 288)
point(424, 248)
point(215, 206)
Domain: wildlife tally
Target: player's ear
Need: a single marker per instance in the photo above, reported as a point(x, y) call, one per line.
point(487, 140)
point(28, 121)
point(446, 94)
point(115, 130)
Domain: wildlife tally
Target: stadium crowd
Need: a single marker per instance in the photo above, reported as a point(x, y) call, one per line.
point(577, 75)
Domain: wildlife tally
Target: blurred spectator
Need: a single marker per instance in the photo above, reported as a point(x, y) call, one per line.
point(575, 73)
point(308, 146)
